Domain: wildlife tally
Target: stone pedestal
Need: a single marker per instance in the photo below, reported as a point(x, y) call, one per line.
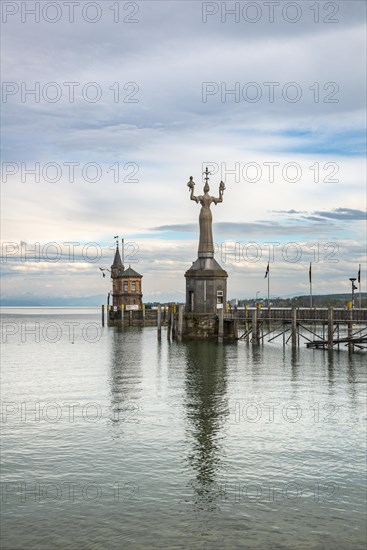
point(206, 286)
point(207, 326)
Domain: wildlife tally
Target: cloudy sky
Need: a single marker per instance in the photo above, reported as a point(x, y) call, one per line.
point(109, 107)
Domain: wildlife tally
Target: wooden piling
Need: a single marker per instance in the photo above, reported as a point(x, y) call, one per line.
point(103, 315)
point(220, 325)
point(269, 319)
point(330, 327)
point(255, 335)
point(180, 321)
point(294, 327)
point(247, 325)
point(159, 322)
point(122, 313)
point(173, 321)
point(168, 325)
point(350, 330)
point(143, 314)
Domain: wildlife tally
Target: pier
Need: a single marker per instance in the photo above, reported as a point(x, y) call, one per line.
point(324, 328)
point(317, 328)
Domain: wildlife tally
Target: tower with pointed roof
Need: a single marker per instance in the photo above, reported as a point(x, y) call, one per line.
point(117, 269)
point(126, 285)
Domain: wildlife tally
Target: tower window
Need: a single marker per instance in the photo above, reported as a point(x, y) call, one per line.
point(133, 286)
point(126, 287)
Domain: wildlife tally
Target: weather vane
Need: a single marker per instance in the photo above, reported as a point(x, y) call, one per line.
point(207, 174)
point(103, 269)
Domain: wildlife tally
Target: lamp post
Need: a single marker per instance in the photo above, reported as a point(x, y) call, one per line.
point(354, 287)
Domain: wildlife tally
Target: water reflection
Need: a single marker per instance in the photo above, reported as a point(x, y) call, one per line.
point(352, 380)
point(125, 377)
point(206, 410)
point(295, 365)
point(253, 357)
point(330, 367)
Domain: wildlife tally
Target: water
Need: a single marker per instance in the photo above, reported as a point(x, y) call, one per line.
point(114, 441)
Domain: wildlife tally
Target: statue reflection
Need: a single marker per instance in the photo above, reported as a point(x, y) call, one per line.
point(206, 411)
point(125, 378)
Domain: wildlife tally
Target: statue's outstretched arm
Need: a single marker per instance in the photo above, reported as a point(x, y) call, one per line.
point(191, 186)
point(221, 191)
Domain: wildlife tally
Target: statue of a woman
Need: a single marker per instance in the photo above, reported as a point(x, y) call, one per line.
point(206, 246)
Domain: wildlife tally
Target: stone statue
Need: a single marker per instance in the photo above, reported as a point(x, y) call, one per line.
point(206, 246)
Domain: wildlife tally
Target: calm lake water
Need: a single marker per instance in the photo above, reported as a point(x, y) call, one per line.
point(114, 441)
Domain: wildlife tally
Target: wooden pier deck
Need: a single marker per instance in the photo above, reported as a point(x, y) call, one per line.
point(296, 325)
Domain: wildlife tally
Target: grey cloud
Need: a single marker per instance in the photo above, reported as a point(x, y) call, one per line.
point(185, 227)
point(250, 229)
point(348, 214)
point(343, 214)
point(292, 211)
point(169, 53)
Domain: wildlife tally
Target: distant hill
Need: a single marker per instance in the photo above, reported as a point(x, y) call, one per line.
point(87, 301)
point(319, 300)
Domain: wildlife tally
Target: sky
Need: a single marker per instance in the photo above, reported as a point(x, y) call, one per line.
point(109, 107)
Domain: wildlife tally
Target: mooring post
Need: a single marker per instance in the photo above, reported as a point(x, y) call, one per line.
point(103, 315)
point(294, 327)
point(180, 321)
point(122, 313)
point(220, 324)
point(169, 326)
point(330, 327)
point(173, 321)
point(159, 322)
point(247, 324)
point(269, 319)
point(255, 336)
point(350, 331)
point(143, 314)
